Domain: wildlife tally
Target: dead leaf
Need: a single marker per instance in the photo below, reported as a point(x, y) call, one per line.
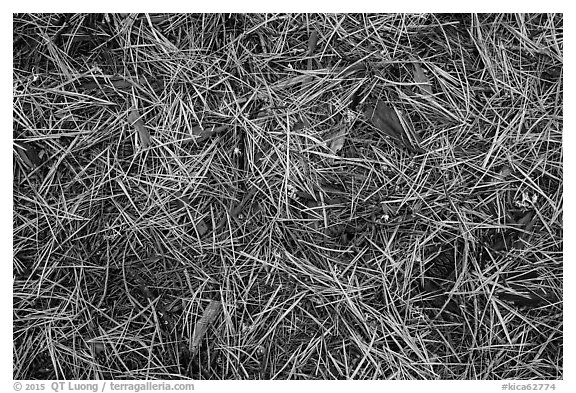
point(208, 317)
point(439, 298)
point(386, 120)
point(98, 347)
point(312, 41)
point(201, 227)
point(117, 84)
point(201, 134)
point(237, 210)
point(29, 155)
point(300, 124)
point(336, 141)
point(143, 132)
point(122, 83)
point(181, 200)
point(528, 298)
point(422, 80)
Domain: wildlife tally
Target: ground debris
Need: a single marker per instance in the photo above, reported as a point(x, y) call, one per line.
point(208, 317)
point(386, 120)
point(201, 134)
point(143, 133)
point(29, 155)
point(422, 80)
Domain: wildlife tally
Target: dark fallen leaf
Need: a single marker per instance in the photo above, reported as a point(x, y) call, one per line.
point(98, 347)
point(438, 298)
point(336, 140)
point(202, 134)
point(181, 200)
point(201, 227)
point(521, 276)
point(236, 211)
point(118, 84)
point(305, 196)
point(512, 237)
point(159, 18)
point(28, 154)
point(357, 96)
point(345, 72)
point(143, 132)
point(522, 288)
point(122, 83)
point(386, 120)
point(528, 298)
point(300, 124)
point(526, 221)
point(208, 317)
point(312, 41)
point(422, 80)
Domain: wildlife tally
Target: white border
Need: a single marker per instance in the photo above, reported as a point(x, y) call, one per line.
point(308, 6)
